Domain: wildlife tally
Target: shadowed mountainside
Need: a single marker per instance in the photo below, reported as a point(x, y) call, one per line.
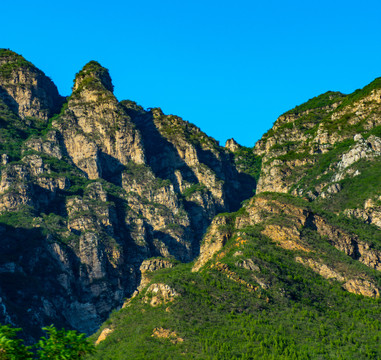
point(102, 185)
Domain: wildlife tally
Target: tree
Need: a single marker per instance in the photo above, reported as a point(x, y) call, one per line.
point(58, 345)
point(62, 344)
point(12, 348)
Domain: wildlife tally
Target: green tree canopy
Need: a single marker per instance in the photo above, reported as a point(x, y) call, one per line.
point(58, 345)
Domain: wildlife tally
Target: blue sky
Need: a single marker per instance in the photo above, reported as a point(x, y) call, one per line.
point(230, 67)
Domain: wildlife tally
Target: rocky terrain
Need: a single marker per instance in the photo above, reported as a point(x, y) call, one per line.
point(208, 251)
point(90, 188)
point(302, 255)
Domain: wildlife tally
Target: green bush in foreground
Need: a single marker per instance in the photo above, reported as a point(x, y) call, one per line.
point(59, 345)
point(11, 347)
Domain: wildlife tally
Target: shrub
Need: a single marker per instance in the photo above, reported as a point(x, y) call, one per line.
point(59, 345)
point(62, 344)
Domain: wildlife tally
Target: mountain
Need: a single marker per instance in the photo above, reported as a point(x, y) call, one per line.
point(138, 227)
point(295, 272)
point(90, 188)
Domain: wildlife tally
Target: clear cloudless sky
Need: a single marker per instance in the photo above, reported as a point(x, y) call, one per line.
point(230, 67)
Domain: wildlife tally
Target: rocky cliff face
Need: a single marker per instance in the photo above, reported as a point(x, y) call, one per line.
point(306, 246)
point(295, 227)
point(97, 195)
point(91, 188)
point(97, 133)
point(325, 133)
point(327, 152)
point(26, 89)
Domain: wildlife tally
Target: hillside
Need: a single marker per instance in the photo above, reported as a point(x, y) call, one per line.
point(295, 273)
point(90, 187)
point(137, 227)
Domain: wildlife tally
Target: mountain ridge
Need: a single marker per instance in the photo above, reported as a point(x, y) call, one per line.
point(98, 197)
point(132, 209)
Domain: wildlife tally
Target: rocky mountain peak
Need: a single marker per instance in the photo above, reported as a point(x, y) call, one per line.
point(93, 76)
point(232, 145)
point(13, 59)
point(26, 89)
point(99, 201)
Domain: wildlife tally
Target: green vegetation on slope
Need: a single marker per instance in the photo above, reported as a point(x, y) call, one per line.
point(177, 129)
point(321, 101)
point(14, 131)
point(296, 315)
point(356, 190)
point(248, 162)
point(94, 77)
point(58, 345)
point(13, 62)
point(361, 93)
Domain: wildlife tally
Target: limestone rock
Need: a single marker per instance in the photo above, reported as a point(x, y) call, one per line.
point(97, 133)
point(162, 333)
point(370, 214)
point(261, 210)
point(213, 242)
point(322, 269)
point(16, 190)
point(286, 237)
point(26, 89)
point(248, 264)
point(357, 286)
point(232, 145)
point(349, 244)
point(363, 149)
point(299, 139)
point(362, 287)
point(159, 293)
point(234, 276)
point(103, 335)
point(50, 145)
point(149, 266)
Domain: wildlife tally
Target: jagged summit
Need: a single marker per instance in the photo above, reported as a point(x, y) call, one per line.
point(92, 76)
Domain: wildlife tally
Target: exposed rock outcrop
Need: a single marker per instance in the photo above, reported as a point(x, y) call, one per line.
point(162, 333)
point(357, 286)
point(362, 287)
point(103, 335)
point(299, 140)
point(232, 145)
point(349, 244)
point(370, 214)
point(158, 294)
point(152, 265)
point(214, 241)
point(26, 89)
point(262, 210)
point(233, 276)
point(98, 135)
